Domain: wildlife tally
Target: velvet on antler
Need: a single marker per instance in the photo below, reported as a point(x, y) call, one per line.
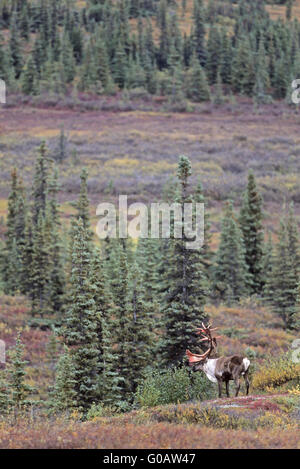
point(206, 332)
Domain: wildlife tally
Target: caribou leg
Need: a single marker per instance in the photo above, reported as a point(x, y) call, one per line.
point(238, 385)
point(220, 387)
point(227, 388)
point(247, 382)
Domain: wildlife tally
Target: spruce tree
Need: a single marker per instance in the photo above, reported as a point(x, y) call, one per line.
point(226, 54)
point(164, 39)
point(289, 8)
point(4, 63)
point(55, 260)
point(41, 266)
point(230, 272)
point(64, 396)
point(121, 338)
point(80, 326)
point(15, 46)
point(148, 258)
point(120, 65)
point(82, 205)
point(67, 59)
point(10, 234)
point(198, 89)
point(186, 285)
point(12, 255)
point(140, 348)
point(267, 266)
point(281, 80)
point(199, 32)
point(30, 85)
point(213, 54)
point(4, 396)
point(40, 183)
point(103, 71)
point(284, 284)
point(251, 226)
point(19, 389)
point(207, 254)
point(109, 377)
point(262, 79)
point(243, 69)
point(26, 277)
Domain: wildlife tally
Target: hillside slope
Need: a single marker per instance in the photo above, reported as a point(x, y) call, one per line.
point(259, 422)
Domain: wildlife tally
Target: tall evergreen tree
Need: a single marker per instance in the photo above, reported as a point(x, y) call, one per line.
point(243, 69)
point(10, 283)
point(267, 266)
point(81, 324)
point(198, 89)
point(141, 338)
point(226, 54)
point(64, 396)
point(230, 272)
point(213, 54)
point(164, 39)
point(289, 7)
point(41, 266)
point(30, 84)
point(19, 389)
point(54, 243)
point(12, 255)
point(251, 226)
point(199, 32)
point(284, 284)
point(186, 286)
point(40, 184)
point(207, 254)
point(109, 377)
point(15, 45)
point(262, 79)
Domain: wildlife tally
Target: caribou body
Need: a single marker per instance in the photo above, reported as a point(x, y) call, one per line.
point(222, 369)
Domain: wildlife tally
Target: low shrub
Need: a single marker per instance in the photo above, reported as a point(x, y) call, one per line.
point(295, 391)
point(276, 372)
point(207, 416)
point(173, 386)
point(97, 411)
point(218, 418)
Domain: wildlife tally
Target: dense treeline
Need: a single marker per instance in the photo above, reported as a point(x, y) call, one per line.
point(123, 309)
point(138, 44)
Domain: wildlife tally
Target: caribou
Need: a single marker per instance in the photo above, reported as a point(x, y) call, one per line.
point(222, 369)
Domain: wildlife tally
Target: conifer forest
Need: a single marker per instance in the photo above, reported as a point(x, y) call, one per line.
point(109, 342)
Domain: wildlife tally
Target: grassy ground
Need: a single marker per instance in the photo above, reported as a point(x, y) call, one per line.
point(256, 422)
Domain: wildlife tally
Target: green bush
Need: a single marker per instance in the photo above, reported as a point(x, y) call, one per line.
point(173, 386)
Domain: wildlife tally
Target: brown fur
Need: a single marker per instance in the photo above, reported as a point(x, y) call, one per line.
point(229, 369)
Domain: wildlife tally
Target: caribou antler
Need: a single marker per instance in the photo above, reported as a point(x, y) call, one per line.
point(206, 332)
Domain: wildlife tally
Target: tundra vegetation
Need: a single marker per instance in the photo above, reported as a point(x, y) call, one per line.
point(96, 331)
